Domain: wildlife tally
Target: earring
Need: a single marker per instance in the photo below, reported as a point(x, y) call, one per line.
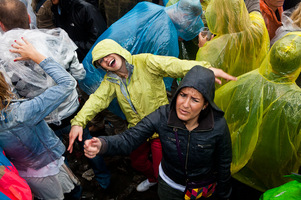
point(203, 108)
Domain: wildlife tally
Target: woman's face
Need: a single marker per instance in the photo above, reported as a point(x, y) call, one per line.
point(189, 104)
point(55, 2)
point(112, 62)
point(274, 4)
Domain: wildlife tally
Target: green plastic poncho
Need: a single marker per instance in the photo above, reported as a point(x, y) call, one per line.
point(241, 42)
point(263, 112)
point(287, 191)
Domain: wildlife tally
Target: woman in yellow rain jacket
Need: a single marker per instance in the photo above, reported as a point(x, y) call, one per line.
point(263, 112)
point(241, 39)
point(137, 83)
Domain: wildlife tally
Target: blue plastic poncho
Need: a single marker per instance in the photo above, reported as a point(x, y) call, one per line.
point(263, 112)
point(147, 28)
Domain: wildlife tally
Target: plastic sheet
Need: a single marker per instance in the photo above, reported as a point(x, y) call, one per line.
point(27, 78)
point(263, 112)
point(241, 39)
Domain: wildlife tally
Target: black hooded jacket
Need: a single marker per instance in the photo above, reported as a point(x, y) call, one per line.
point(82, 21)
point(206, 150)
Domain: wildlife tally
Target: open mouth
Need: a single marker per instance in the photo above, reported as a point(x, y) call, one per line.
point(112, 62)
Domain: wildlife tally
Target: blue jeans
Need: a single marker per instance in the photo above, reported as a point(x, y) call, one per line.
point(102, 174)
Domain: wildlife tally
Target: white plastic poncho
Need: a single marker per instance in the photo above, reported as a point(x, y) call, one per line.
point(28, 79)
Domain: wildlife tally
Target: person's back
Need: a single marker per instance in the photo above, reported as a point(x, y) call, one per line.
point(14, 21)
point(262, 109)
point(32, 81)
point(241, 40)
point(81, 20)
point(44, 15)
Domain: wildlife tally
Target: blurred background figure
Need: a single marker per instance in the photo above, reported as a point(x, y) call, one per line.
point(271, 11)
point(82, 21)
point(44, 15)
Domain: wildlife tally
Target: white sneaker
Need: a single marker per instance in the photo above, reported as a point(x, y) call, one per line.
point(145, 185)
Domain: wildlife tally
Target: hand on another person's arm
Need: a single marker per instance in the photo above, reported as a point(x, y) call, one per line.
point(219, 73)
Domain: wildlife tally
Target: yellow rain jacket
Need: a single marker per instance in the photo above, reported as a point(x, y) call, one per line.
point(263, 112)
point(241, 39)
point(145, 89)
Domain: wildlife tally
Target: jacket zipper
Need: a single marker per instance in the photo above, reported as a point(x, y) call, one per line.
point(126, 90)
point(186, 161)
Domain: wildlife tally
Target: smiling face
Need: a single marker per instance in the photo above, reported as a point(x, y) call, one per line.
point(189, 104)
point(112, 62)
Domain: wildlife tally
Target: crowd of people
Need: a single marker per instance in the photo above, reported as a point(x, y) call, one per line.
point(221, 123)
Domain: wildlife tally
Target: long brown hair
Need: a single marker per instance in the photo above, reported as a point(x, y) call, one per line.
point(5, 93)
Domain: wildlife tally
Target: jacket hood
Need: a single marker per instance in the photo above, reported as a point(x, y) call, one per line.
point(108, 46)
point(201, 79)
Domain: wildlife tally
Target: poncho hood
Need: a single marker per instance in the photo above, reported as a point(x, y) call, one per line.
point(186, 15)
point(201, 79)
point(224, 16)
point(283, 63)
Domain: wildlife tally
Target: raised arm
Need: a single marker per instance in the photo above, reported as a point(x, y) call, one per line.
point(35, 110)
point(168, 66)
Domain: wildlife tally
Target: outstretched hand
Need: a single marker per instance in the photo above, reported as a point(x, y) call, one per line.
point(75, 132)
point(219, 73)
point(92, 147)
point(27, 51)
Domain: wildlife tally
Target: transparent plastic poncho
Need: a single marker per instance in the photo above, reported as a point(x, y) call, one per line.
point(287, 26)
point(241, 39)
point(27, 78)
point(263, 112)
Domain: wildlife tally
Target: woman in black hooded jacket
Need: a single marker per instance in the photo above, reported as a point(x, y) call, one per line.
point(195, 139)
